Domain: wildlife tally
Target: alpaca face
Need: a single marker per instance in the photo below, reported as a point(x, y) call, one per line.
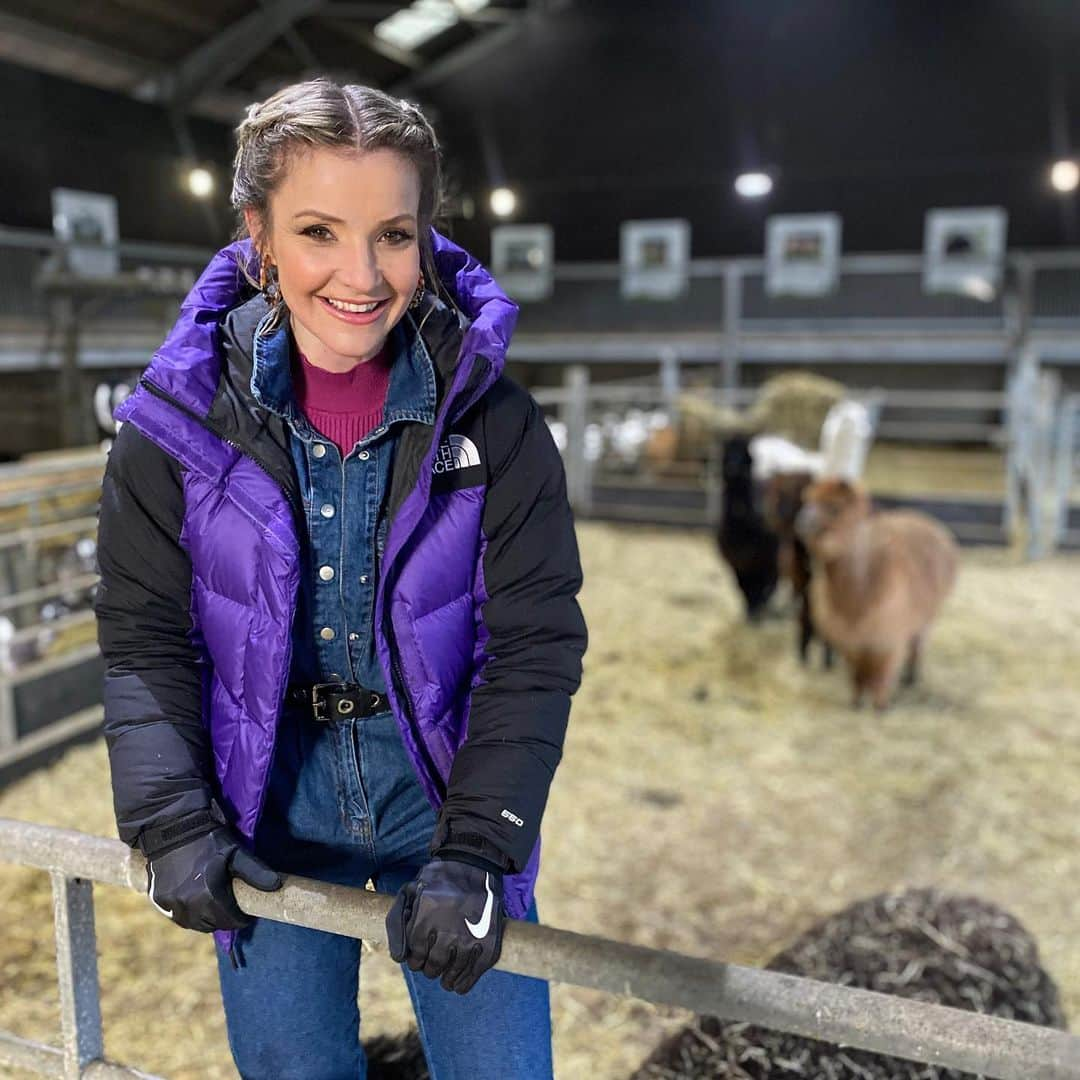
point(830, 506)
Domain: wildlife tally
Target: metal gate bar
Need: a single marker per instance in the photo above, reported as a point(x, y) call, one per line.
point(954, 1038)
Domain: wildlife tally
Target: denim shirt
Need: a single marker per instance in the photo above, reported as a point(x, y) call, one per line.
point(344, 499)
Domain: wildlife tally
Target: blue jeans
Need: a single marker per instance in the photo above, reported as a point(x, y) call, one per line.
point(344, 806)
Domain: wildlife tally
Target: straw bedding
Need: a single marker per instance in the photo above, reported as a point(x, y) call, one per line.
point(714, 798)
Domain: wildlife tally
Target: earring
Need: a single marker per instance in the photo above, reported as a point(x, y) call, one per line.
point(268, 282)
point(419, 294)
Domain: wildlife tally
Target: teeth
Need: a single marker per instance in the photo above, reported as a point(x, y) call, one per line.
point(358, 309)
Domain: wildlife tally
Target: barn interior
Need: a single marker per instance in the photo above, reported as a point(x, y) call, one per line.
point(841, 236)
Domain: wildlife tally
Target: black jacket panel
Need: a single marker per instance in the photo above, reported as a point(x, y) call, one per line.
point(159, 748)
point(531, 573)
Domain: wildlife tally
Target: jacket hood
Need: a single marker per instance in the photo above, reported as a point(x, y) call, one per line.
point(188, 365)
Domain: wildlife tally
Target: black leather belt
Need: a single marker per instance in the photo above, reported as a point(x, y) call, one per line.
point(337, 701)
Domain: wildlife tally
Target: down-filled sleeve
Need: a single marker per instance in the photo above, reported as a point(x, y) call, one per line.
point(159, 749)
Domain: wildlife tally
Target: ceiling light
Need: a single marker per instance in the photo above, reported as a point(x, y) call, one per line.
point(503, 202)
point(1065, 175)
point(753, 185)
point(200, 182)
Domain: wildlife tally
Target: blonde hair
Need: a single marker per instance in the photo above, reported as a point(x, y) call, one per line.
point(321, 112)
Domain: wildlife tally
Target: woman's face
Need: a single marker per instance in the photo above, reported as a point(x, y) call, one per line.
point(343, 231)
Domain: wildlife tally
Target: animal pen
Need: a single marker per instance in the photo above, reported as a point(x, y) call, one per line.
point(902, 1028)
point(976, 418)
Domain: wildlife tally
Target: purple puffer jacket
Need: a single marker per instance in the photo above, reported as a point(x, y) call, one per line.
point(477, 627)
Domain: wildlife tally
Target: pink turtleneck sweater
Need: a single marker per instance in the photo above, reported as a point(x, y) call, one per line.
point(343, 406)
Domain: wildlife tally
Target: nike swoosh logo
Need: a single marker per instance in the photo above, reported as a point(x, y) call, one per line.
point(480, 929)
point(167, 914)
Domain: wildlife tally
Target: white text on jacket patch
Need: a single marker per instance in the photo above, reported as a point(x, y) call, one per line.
point(457, 452)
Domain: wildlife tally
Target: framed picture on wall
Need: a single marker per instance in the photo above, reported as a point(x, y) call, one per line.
point(964, 251)
point(802, 254)
point(523, 259)
point(655, 257)
point(87, 222)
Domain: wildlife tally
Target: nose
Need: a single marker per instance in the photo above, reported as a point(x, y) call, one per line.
point(359, 271)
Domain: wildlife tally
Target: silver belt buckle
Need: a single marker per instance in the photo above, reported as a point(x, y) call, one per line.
point(315, 688)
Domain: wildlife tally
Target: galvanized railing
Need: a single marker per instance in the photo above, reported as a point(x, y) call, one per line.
point(1019, 421)
point(1066, 472)
point(22, 593)
point(953, 1038)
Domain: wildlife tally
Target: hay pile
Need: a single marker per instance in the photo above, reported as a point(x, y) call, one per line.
point(793, 405)
point(920, 944)
point(714, 798)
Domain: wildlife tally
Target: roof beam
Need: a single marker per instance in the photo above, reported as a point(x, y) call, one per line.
point(31, 45)
point(212, 65)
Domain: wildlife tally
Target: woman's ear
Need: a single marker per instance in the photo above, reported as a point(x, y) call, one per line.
point(255, 227)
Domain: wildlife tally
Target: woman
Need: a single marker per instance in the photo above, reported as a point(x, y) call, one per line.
point(337, 601)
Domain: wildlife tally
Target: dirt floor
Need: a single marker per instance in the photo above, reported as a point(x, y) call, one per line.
point(714, 798)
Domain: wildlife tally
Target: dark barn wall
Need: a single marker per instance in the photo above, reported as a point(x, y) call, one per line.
point(616, 109)
point(55, 133)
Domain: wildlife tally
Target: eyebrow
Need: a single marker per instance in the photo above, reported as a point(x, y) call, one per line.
point(340, 221)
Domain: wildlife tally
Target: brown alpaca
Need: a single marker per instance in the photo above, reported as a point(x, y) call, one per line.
point(781, 503)
point(878, 581)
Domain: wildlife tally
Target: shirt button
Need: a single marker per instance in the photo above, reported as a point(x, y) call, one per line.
point(354, 637)
point(327, 510)
point(326, 573)
point(363, 579)
point(364, 455)
point(318, 450)
point(327, 633)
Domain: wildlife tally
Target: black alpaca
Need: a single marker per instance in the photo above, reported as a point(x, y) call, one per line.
point(748, 545)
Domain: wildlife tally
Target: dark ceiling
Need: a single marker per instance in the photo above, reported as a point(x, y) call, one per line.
point(596, 110)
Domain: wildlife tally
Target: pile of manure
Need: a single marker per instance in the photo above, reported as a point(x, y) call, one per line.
point(919, 943)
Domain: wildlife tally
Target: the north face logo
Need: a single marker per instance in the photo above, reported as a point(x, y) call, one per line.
point(457, 452)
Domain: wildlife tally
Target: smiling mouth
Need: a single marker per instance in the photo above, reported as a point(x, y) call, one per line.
point(354, 309)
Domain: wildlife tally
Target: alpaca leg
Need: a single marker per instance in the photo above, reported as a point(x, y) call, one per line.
point(806, 629)
point(884, 677)
point(857, 670)
point(914, 657)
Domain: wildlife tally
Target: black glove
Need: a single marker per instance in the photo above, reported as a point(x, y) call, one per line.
point(189, 868)
point(448, 923)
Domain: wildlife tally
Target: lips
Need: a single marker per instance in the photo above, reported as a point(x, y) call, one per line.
point(356, 318)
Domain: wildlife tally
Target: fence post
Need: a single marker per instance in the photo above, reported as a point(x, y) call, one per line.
point(76, 965)
point(9, 730)
point(575, 416)
point(1064, 466)
point(670, 376)
point(1048, 390)
point(733, 289)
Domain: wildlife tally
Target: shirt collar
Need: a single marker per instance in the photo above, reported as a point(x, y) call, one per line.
point(410, 395)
